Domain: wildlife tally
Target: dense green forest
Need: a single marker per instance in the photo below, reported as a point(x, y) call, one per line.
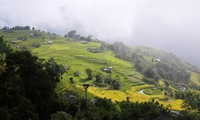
point(29, 85)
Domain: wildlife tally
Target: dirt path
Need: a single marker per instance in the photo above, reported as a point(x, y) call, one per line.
point(141, 91)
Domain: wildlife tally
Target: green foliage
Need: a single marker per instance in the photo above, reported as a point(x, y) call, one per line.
point(20, 28)
point(89, 73)
point(112, 82)
point(4, 47)
point(24, 110)
point(66, 103)
point(72, 33)
point(192, 101)
point(146, 110)
point(107, 81)
point(71, 80)
point(54, 70)
point(25, 73)
point(185, 115)
point(27, 85)
point(149, 81)
point(60, 115)
point(179, 95)
point(77, 73)
point(99, 80)
point(145, 60)
point(120, 48)
point(151, 73)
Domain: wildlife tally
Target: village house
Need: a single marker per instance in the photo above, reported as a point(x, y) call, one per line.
point(108, 69)
point(157, 60)
point(14, 42)
point(49, 42)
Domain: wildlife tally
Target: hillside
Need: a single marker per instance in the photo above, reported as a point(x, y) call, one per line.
point(112, 73)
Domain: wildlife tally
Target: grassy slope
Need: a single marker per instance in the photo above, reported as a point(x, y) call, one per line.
point(74, 54)
point(80, 59)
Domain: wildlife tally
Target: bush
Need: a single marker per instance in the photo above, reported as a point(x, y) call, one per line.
point(60, 115)
point(37, 45)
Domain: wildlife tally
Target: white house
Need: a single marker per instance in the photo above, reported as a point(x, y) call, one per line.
point(49, 42)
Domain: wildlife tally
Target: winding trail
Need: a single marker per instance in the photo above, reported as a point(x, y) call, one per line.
point(141, 91)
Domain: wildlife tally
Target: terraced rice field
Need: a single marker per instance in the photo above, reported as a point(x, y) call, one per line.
point(75, 55)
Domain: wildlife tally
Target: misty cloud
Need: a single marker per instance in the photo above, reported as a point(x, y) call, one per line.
point(172, 25)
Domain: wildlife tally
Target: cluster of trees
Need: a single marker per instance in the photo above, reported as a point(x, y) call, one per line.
point(105, 109)
point(26, 84)
point(147, 110)
point(107, 81)
point(103, 80)
point(161, 70)
point(191, 101)
point(16, 28)
point(170, 68)
point(120, 49)
point(73, 34)
point(191, 105)
point(99, 49)
point(188, 115)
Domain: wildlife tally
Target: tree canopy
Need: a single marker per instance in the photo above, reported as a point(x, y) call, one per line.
point(27, 82)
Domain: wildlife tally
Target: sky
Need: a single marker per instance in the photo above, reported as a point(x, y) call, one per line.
point(170, 25)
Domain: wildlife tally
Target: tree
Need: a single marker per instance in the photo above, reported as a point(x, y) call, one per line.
point(71, 80)
point(186, 115)
point(60, 115)
point(4, 47)
point(151, 73)
point(143, 111)
point(27, 82)
point(72, 33)
point(65, 35)
point(24, 110)
point(98, 79)
point(89, 73)
point(166, 84)
point(192, 101)
point(2, 58)
point(116, 85)
point(28, 78)
point(89, 38)
point(54, 70)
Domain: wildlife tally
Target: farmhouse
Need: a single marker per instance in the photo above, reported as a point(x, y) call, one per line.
point(14, 42)
point(108, 69)
point(31, 33)
point(49, 42)
point(157, 60)
point(84, 42)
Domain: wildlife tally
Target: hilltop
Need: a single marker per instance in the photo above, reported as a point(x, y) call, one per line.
point(115, 71)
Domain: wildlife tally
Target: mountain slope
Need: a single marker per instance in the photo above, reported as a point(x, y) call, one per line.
point(121, 82)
